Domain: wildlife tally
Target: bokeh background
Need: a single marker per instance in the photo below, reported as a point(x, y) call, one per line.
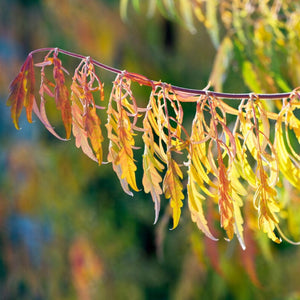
point(67, 230)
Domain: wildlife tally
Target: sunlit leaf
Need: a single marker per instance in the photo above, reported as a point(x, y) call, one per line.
point(152, 167)
point(172, 187)
point(81, 138)
point(22, 92)
point(61, 95)
point(120, 133)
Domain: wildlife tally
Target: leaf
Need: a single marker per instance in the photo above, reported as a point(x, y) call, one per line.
point(186, 10)
point(265, 195)
point(294, 124)
point(85, 121)
point(225, 199)
point(172, 188)
point(229, 200)
point(22, 92)
point(264, 200)
point(91, 123)
point(151, 166)
point(56, 90)
point(120, 133)
point(195, 200)
point(197, 176)
point(152, 179)
point(61, 95)
point(212, 22)
point(113, 155)
point(290, 171)
point(79, 133)
point(221, 64)
point(41, 114)
point(16, 98)
point(29, 88)
point(250, 76)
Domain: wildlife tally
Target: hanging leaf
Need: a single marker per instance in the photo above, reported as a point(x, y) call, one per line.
point(22, 92)
point(288, 167)
point(81, 138)
point(61, 95)
point(197, 175)
point(265, 194)
point(172, 187)
point(85, 121)
point(120, 133)
point(151, 165)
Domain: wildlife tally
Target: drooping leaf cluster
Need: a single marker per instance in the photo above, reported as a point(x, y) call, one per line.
point(229, 157)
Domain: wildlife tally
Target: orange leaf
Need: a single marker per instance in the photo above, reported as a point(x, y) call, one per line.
point(86, 123)
point(81, 138)
point(29, 88)
point(120, 134)
point(22, 92)
point(61, 95)
point(91, 124)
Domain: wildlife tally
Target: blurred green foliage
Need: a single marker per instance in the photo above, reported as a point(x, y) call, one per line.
point(67, 229)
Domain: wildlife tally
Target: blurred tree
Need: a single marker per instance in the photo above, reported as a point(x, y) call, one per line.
point(80, 236)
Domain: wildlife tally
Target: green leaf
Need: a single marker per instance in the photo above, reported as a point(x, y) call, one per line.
point(221, 64)
point(250, 76)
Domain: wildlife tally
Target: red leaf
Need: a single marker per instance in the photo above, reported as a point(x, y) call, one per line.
point(91, 124)
point(22, 92)
point(61, 94)
point(29, 88)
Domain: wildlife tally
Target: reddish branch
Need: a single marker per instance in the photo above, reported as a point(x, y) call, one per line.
point(145, 81)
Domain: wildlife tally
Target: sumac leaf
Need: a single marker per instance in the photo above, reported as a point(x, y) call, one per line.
point(22, 92)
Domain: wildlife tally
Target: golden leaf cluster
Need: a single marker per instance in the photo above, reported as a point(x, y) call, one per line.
point(228, 158)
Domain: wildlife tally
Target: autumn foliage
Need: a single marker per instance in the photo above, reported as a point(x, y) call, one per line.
point(229, 157)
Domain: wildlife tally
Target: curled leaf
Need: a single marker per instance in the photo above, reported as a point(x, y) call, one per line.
point(85, 121)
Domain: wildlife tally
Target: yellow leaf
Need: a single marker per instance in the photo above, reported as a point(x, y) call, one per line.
point(286, 165)
point(225, 199)
point(120, 134)
point(172, 188)
point(195, 200)
point(152, 179)
point(294, 124)
point(151, 166)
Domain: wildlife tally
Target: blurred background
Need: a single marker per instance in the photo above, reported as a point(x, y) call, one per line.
point(67, 230)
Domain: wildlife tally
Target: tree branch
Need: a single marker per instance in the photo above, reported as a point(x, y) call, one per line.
point(187, 91)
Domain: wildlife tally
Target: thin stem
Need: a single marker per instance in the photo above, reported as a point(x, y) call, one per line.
point(174, 87)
